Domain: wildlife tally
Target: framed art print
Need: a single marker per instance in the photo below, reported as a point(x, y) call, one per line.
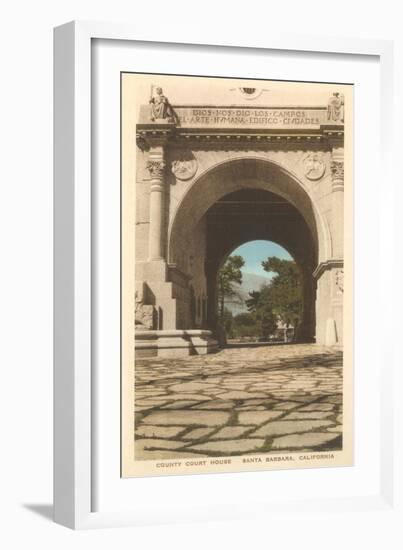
point(219, 229)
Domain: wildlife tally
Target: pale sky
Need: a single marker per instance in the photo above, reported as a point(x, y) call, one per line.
point(255, 252)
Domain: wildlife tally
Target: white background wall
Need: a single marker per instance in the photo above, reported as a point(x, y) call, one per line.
point(26, 254)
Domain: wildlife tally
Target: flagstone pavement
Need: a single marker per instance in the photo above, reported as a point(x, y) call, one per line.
point(241, 400)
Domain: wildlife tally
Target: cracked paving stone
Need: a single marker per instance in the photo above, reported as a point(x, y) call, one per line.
point(187, 417)
point(185, 397)
point(240, 395)
point(307, 415)
point(236, 386)
point(143, 446)
point(336, 399)
point(140, 394)
point(230, 432)
point(151, 402)
point(215, 404)
point(187, 387)
point(251, 402)
point(285, 406)
point(229, 446)
point(305, 440)
point(290, 427)
point(164, 443)
point(158, 431)
point(252, 408)
point(318, 407)
point(197, 433)
point(178, 405)
point(258, 417)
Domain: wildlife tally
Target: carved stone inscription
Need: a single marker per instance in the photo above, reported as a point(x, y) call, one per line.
point(252, 117)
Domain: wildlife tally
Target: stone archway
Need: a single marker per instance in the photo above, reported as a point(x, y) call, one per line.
point(235, 203)
point(185, 171)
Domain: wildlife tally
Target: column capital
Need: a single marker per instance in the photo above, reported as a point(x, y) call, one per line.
point(337, 168)
point(337, 171)
point(156, 167)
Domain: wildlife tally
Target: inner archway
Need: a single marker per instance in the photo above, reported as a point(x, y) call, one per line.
point(252, 215)
point(260, 298)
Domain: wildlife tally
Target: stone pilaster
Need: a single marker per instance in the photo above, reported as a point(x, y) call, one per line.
point(156, 167)
point(337, 171)
point(329, 302)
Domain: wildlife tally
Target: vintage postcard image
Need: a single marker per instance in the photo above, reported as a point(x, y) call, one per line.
point(236, 274)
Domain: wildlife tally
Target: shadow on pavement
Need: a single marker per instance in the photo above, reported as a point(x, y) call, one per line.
point(44, 510)
point(256, 344)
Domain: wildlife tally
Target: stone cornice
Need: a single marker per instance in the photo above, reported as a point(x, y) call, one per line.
point(153, 134)
point(260, 125)
point(147, 136)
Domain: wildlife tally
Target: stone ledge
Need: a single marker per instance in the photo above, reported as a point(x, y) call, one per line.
point(173, 343)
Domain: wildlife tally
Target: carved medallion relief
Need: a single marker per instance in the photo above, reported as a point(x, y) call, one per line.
point(314, 166)
point(184, 166)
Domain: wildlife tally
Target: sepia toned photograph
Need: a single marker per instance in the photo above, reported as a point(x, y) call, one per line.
point(236, 274)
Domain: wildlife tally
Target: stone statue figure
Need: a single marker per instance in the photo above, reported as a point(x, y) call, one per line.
point(144, 314)
point(160, 106)
point(335, 108)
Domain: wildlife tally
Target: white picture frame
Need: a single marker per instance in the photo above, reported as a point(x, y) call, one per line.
point(75, 469)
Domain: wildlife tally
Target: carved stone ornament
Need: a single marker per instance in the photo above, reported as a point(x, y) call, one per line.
point(337, 169)
point(335, 108)
point(314, 166)
point(144, 314)
point(250, 93)
point(156, 168)
point(161, 109)
point(339, 280)
point(184, 167)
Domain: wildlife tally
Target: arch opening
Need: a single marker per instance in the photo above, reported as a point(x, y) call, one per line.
point(252, 215)
point(260, 294)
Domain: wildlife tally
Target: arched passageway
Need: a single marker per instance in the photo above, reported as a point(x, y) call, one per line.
point(250, 215)
point(237, 202)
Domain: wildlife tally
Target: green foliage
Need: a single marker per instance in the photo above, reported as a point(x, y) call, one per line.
point(229, 274)
point(281, 300)
point(244, 319)
point(244, 325)
point(227, 322)
point(284, 294)
point(267, 320)
point(253, 301)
